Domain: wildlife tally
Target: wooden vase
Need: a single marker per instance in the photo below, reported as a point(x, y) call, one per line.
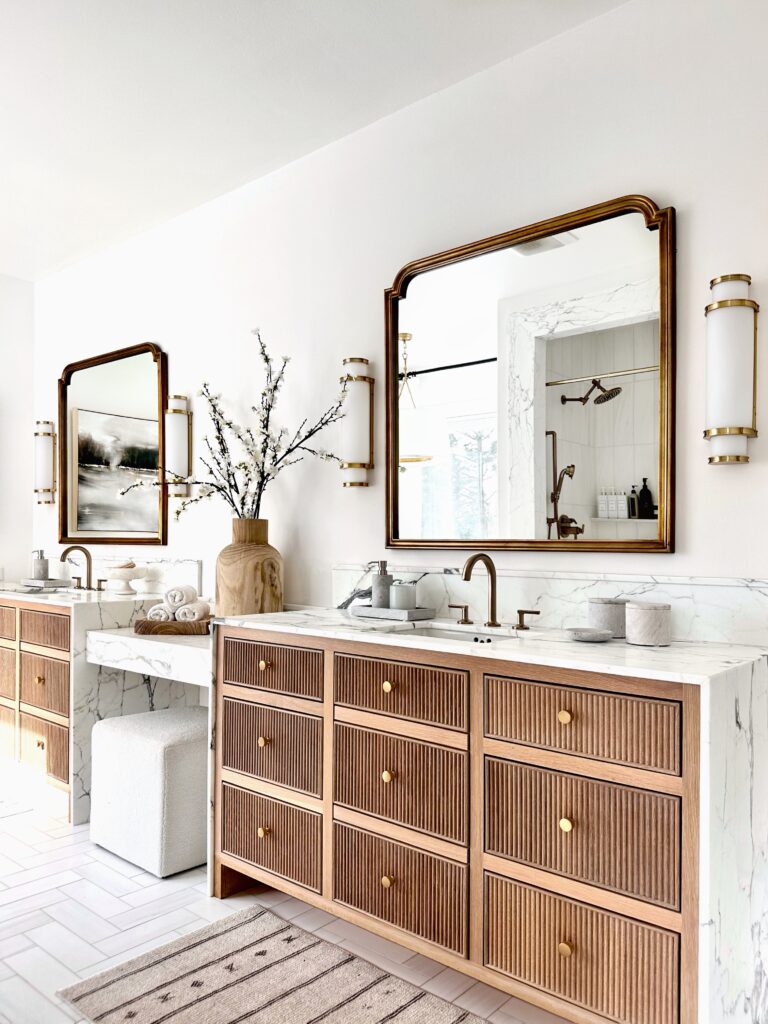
point(249, 571)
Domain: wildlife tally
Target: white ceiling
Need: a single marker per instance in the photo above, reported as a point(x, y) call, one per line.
point(118, 114)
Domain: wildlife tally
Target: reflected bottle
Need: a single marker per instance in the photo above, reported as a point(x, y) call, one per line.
point(645, 509)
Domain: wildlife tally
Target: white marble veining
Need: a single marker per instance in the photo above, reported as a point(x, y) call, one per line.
point(693, 663)
point(185, 659)
point(727, 610)
point(733, 693)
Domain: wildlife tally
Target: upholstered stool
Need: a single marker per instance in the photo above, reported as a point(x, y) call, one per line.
point(149, 788)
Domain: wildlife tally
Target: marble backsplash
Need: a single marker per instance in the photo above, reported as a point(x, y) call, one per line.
point(726, 610)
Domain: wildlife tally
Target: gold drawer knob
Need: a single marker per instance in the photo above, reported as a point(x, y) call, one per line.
point(387, 881)
point(564, 717)
point(264, 665)
point(565, 949)
point(41, 744)
point(566, 825)
point(40, 680)
point(262, 832)
point(263, 741)
point(387, 687)
point(387, 776)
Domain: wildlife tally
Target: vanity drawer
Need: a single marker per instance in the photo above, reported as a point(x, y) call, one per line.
point(7, 622)
point(279, 746)
point(291, 843)
point(615, 837)
point(419, 692)
point(7, 722)
point(46, 629)
point(45, 746)
point(45, 683)
point(294, 670)
point(611, 965)
point(636, 731)
point(427, 787)
point(7, 673)
point(426, 895)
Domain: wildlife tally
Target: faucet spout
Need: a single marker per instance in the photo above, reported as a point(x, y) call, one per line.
point(487, 561)
point(88, 562)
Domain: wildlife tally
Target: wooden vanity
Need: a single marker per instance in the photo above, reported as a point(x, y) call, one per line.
point(536, 828)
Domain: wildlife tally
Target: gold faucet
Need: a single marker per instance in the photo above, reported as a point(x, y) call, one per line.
point(469, 565)
point(88, 563)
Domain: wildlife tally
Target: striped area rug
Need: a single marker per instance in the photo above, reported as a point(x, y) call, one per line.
point(255, 967)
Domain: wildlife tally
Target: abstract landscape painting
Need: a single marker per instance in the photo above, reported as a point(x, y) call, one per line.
point(112, 453)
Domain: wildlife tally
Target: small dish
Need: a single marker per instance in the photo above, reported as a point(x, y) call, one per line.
point(589, 634)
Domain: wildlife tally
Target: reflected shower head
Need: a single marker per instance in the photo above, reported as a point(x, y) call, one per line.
point(606, 394)
point(570, 470)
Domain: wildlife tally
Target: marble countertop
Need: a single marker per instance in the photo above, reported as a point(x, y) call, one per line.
point(70, 598)
point(186, 659)
point(693, 663)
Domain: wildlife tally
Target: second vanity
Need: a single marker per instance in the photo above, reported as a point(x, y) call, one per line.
point(560, 821)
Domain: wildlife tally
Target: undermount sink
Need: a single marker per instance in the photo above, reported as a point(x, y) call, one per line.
point(460, 635)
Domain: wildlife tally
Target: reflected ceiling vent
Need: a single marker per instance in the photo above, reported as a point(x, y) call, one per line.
point(539, 245)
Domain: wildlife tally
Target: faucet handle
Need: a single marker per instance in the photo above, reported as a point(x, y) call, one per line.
point(521, 613)
point(464, 609)
point(100, 584)
point(78, 582)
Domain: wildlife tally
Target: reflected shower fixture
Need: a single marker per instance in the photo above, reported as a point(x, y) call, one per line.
point(606, 394)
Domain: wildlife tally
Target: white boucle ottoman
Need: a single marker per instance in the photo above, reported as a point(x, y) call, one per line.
point(149, 788)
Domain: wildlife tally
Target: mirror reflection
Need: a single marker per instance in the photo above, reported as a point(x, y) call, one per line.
point(529, 391)
point(112, 430)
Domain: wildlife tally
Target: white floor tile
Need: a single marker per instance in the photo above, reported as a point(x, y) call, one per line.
point(41, 970)
point(481, 999)
point(515, 1011)
point(107, 878)
point(93, 897)
point(82, 921)
point(19, 892)
point(365, 944)
point(22, 923)
point(69, 863)
point(312, 919)
point(129, 954)
point(74, 952)
point(142, 933)
point(164, 887)
point(123, 867)
point(37, 902)
point(14, 944)
point(23, 1004)
point(137, 915)
point(448, 984)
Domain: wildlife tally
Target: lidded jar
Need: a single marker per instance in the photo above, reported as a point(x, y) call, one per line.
point(649, 624)
point(608, 613)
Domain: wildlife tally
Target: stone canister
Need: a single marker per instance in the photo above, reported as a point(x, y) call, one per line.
point(608, 613)
point(649, 624)
point(402, 596)
point(249, 571)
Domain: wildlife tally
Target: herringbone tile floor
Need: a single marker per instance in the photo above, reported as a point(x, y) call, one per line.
point(69, 909)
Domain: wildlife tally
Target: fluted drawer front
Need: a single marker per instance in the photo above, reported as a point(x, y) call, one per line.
point(7, 719)
point(611, 965)
point(637, 731)
point(423, 894)
point(294, 670)
point(279, 746)
point(424, 694)
point(615, 837)
point(46, 629)
point(7, 673)
point(7, 622)
point(45, 746)
point(426, 787)
point(291, 842)
point(45, 683)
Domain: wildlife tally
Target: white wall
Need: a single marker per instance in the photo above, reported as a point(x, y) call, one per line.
point(16, 426)
point(660, 98)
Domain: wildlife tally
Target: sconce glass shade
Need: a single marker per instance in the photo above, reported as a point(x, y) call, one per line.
point(44, 468)
point(178, 444)
point(356, 428)
point(731, 396)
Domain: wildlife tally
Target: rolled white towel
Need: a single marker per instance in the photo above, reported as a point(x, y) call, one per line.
point(160, 613)
point(195, 611)
point(177, 596)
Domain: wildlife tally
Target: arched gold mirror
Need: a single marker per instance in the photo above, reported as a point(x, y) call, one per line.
point(111, 430)
point(530, 387)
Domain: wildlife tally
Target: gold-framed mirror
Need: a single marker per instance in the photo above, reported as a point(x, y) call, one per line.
point(530, 387)
point(112, 435)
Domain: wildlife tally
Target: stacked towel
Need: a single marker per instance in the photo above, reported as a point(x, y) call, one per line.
point(183, 604)
point(176, 597)
point(195, 611)
point(161, 613)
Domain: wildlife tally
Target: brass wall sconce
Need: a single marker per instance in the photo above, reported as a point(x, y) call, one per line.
point(178, 445)
point(356, 446)
point(731, 407)
point(45, 462)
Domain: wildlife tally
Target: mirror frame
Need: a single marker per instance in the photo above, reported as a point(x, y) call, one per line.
point(161, 365)
point(656, 219)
